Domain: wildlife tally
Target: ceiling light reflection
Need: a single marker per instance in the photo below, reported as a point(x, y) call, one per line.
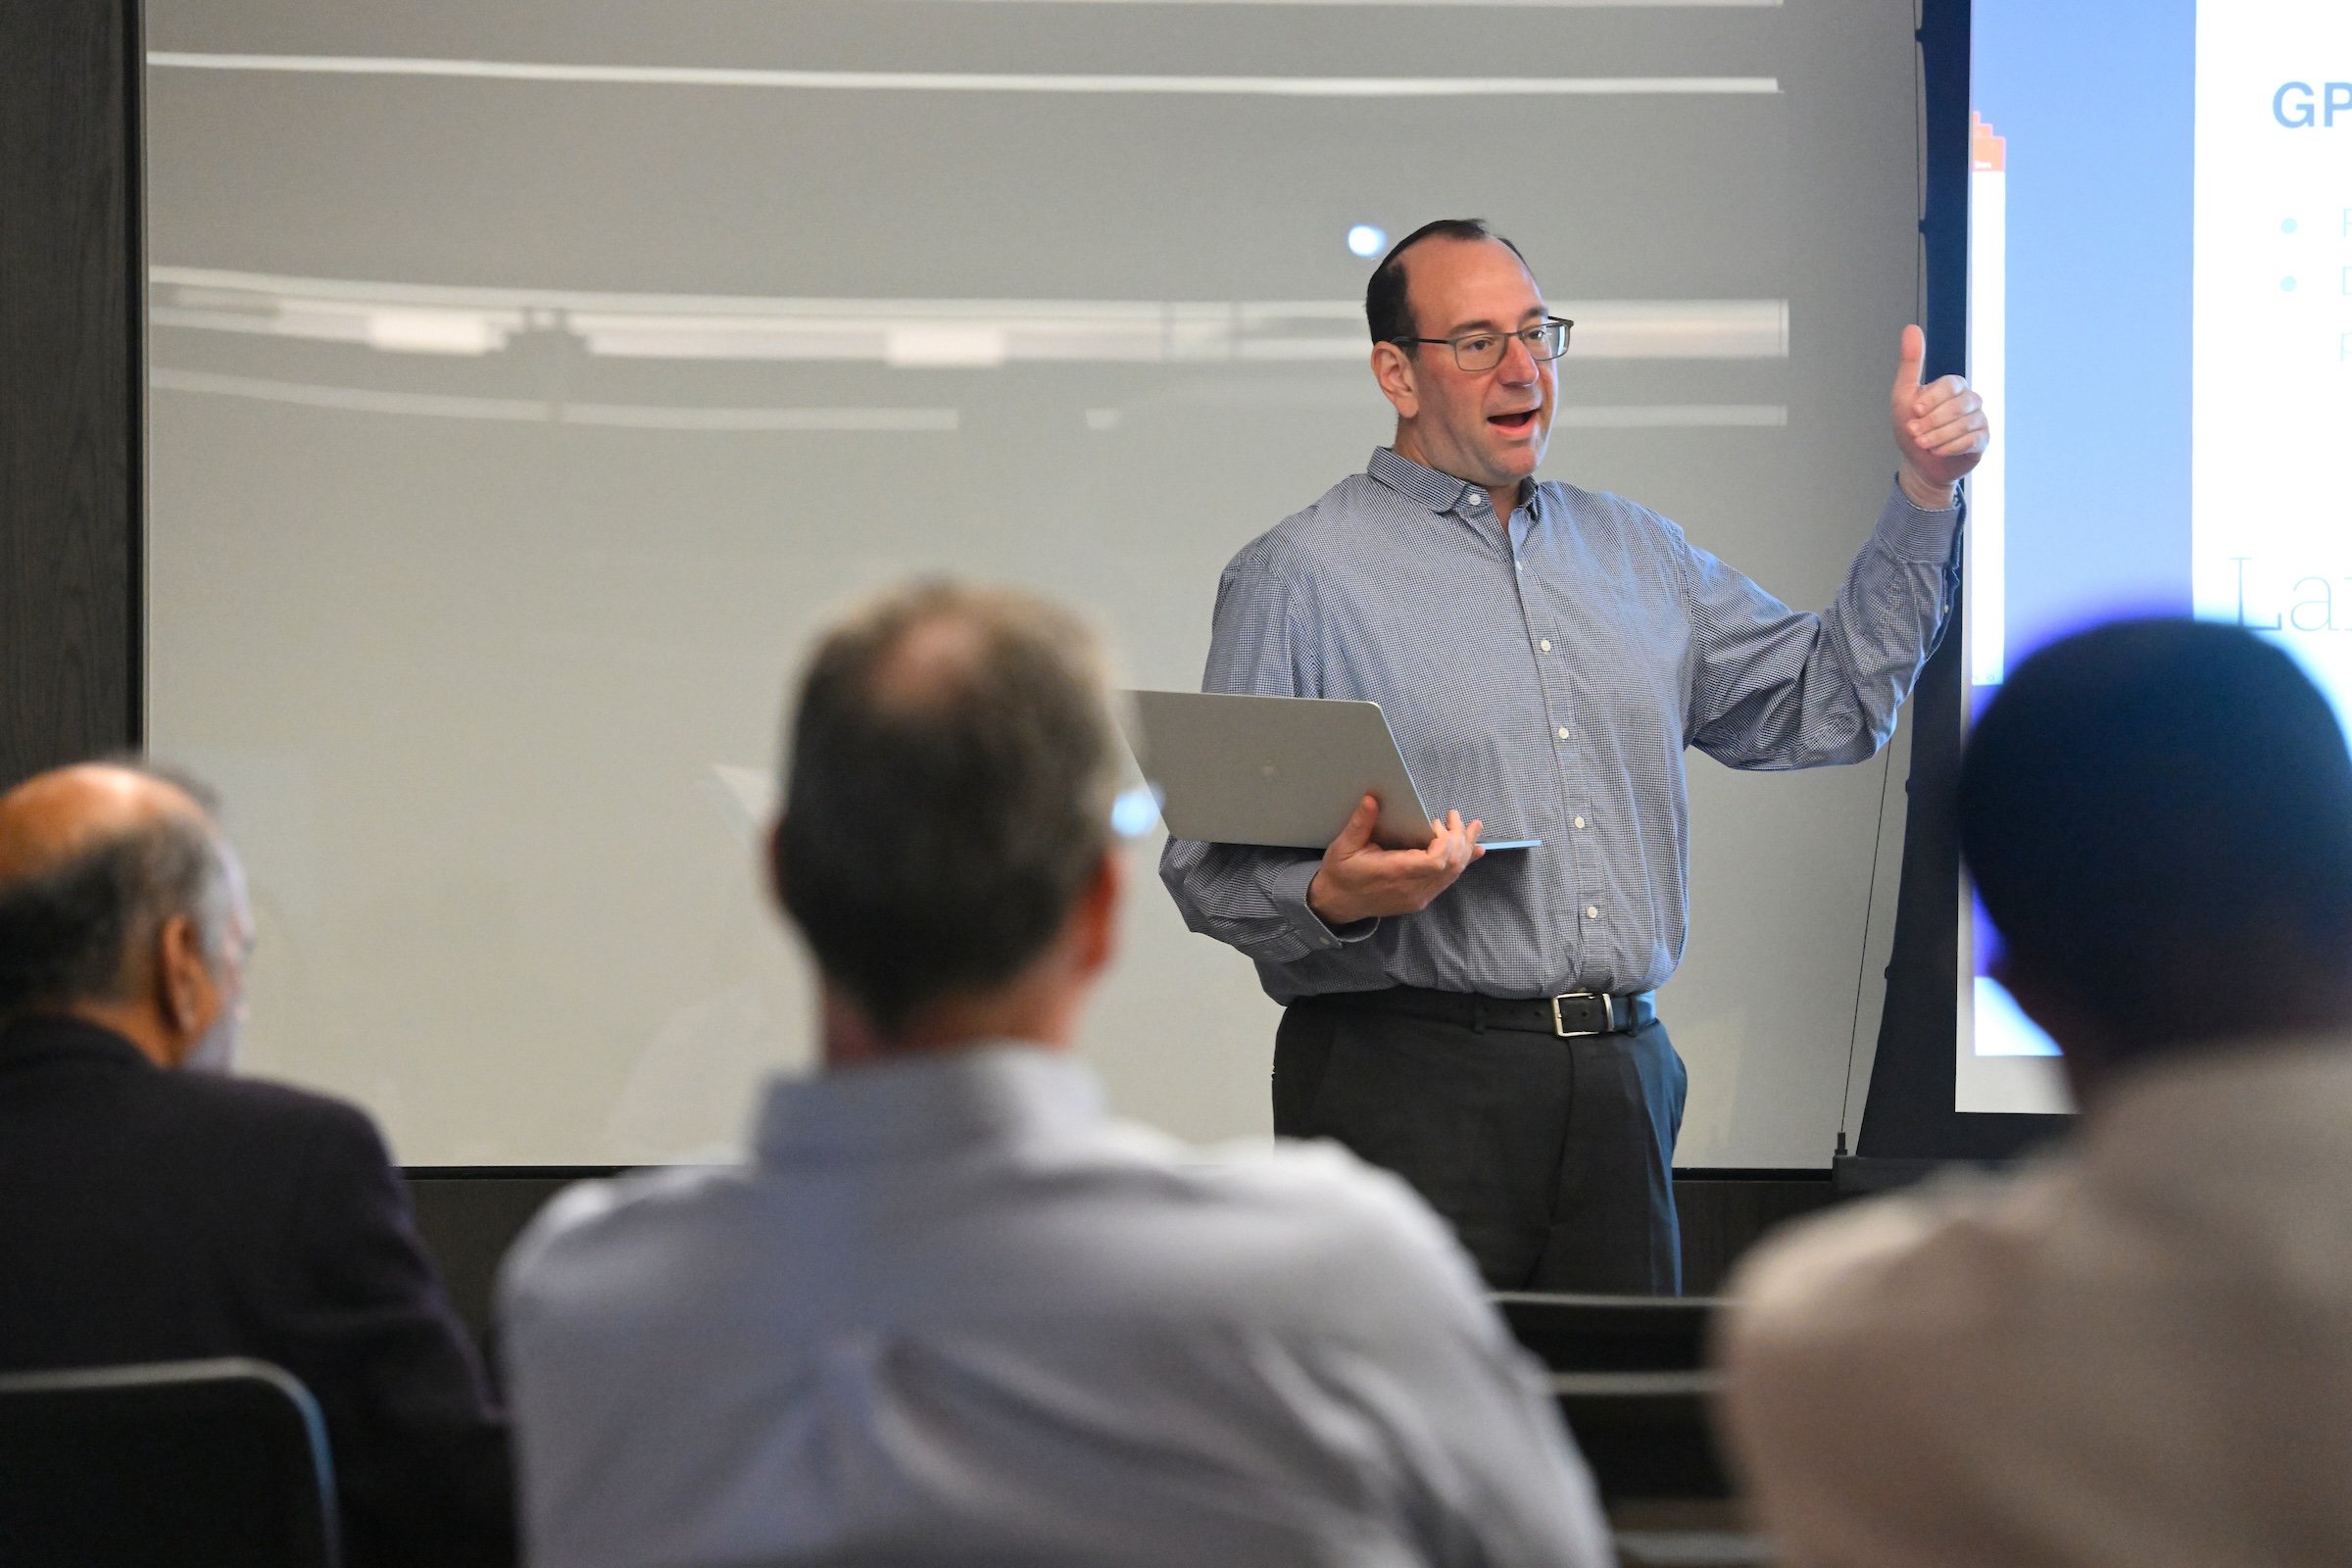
point(967, 82)
point(842, 420)
point(939, 334)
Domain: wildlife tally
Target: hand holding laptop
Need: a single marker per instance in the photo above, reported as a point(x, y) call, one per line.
point(1359, 880)
point(1307, 773)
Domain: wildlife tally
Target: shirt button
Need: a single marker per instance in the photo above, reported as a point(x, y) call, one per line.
point(1545, 645)
point(1580, 822)
point(1562, 732)
point(1592, 911)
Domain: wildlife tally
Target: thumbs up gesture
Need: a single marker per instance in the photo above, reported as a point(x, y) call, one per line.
point(1939, 428)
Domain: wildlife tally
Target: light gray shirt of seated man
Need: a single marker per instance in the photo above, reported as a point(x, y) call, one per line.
point(953, 1313)
point(2137, 1350)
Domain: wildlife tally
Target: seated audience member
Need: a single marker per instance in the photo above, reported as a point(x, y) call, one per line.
point(2137, 1350)
point(950, 1313)
point(154, 1209)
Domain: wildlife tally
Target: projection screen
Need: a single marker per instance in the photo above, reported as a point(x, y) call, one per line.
point(526, 382)
point(2200, 177)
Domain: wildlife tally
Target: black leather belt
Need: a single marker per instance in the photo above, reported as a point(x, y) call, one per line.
point(1578, 1013)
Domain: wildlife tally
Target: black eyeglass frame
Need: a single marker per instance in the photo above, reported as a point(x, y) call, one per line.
point(1549, 326)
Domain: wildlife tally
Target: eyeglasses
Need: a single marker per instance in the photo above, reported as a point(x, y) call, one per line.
point(1483, 350)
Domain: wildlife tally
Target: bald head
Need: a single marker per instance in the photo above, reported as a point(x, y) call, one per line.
point(117, 903)
point(950, 776)
point(930, 657)
point(53, 818)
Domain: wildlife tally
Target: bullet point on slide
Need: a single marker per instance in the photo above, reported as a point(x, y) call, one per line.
point(2288, 284)
point(2286, 226)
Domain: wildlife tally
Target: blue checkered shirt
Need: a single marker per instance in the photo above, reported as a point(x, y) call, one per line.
point(1547, 678)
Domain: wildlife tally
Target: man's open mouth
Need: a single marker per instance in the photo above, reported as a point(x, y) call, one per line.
point(1517, 423)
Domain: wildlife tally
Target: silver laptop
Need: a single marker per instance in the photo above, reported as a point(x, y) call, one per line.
point(1278, 770)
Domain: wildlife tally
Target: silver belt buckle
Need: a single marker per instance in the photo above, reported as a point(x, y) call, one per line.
point(1609, 1014)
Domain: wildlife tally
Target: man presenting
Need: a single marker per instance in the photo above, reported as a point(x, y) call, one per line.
point(1544, 655)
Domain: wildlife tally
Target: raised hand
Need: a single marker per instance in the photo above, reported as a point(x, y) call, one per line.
point(1358, 879)
point(1939, 428)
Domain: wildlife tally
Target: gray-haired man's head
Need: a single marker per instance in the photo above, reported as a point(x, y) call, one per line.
point(949, 772)
point(120, 903)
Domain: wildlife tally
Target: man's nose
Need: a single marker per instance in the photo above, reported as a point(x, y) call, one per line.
point(1518, 366)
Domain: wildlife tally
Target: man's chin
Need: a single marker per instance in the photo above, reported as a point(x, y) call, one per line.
point(1515, 461)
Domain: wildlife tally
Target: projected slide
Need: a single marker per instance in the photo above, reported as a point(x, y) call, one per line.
point(2273, 326)
point(2160, 279)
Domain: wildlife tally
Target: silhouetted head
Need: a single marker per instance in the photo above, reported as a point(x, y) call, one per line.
point(2158, 817)
point(946, 831)
point(121, 904)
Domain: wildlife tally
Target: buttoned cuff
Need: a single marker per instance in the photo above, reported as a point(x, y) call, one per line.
point(1908, 532)
point(1289, 885)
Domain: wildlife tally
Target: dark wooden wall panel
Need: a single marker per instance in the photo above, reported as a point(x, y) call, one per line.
point(70, 382)
point(1724, 1215)
point(469, 1218)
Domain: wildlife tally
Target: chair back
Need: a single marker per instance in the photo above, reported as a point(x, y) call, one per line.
point(1646, 1434)
point(181, 1464)
point(1610, 1333)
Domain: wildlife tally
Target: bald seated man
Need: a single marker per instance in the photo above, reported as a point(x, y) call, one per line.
point(153, 1208)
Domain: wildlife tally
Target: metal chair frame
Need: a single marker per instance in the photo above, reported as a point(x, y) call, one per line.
point(217, 1463)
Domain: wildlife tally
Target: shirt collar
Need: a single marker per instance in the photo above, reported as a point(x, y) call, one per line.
point(925, 1106)
point(1424, 485)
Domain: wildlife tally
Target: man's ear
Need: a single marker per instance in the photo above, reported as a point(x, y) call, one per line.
point(1098, 911)
point(1393, 369)
point(183, 979)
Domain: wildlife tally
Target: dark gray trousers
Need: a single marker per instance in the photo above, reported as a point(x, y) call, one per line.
point(1553, 1159)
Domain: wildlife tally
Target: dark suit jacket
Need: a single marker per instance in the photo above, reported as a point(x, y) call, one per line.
point(148, 1215)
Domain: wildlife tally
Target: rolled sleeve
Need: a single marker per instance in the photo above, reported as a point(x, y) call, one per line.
point(1909, 532)
point(1289, 883)
point(1777, 688)
point(1253, 899)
